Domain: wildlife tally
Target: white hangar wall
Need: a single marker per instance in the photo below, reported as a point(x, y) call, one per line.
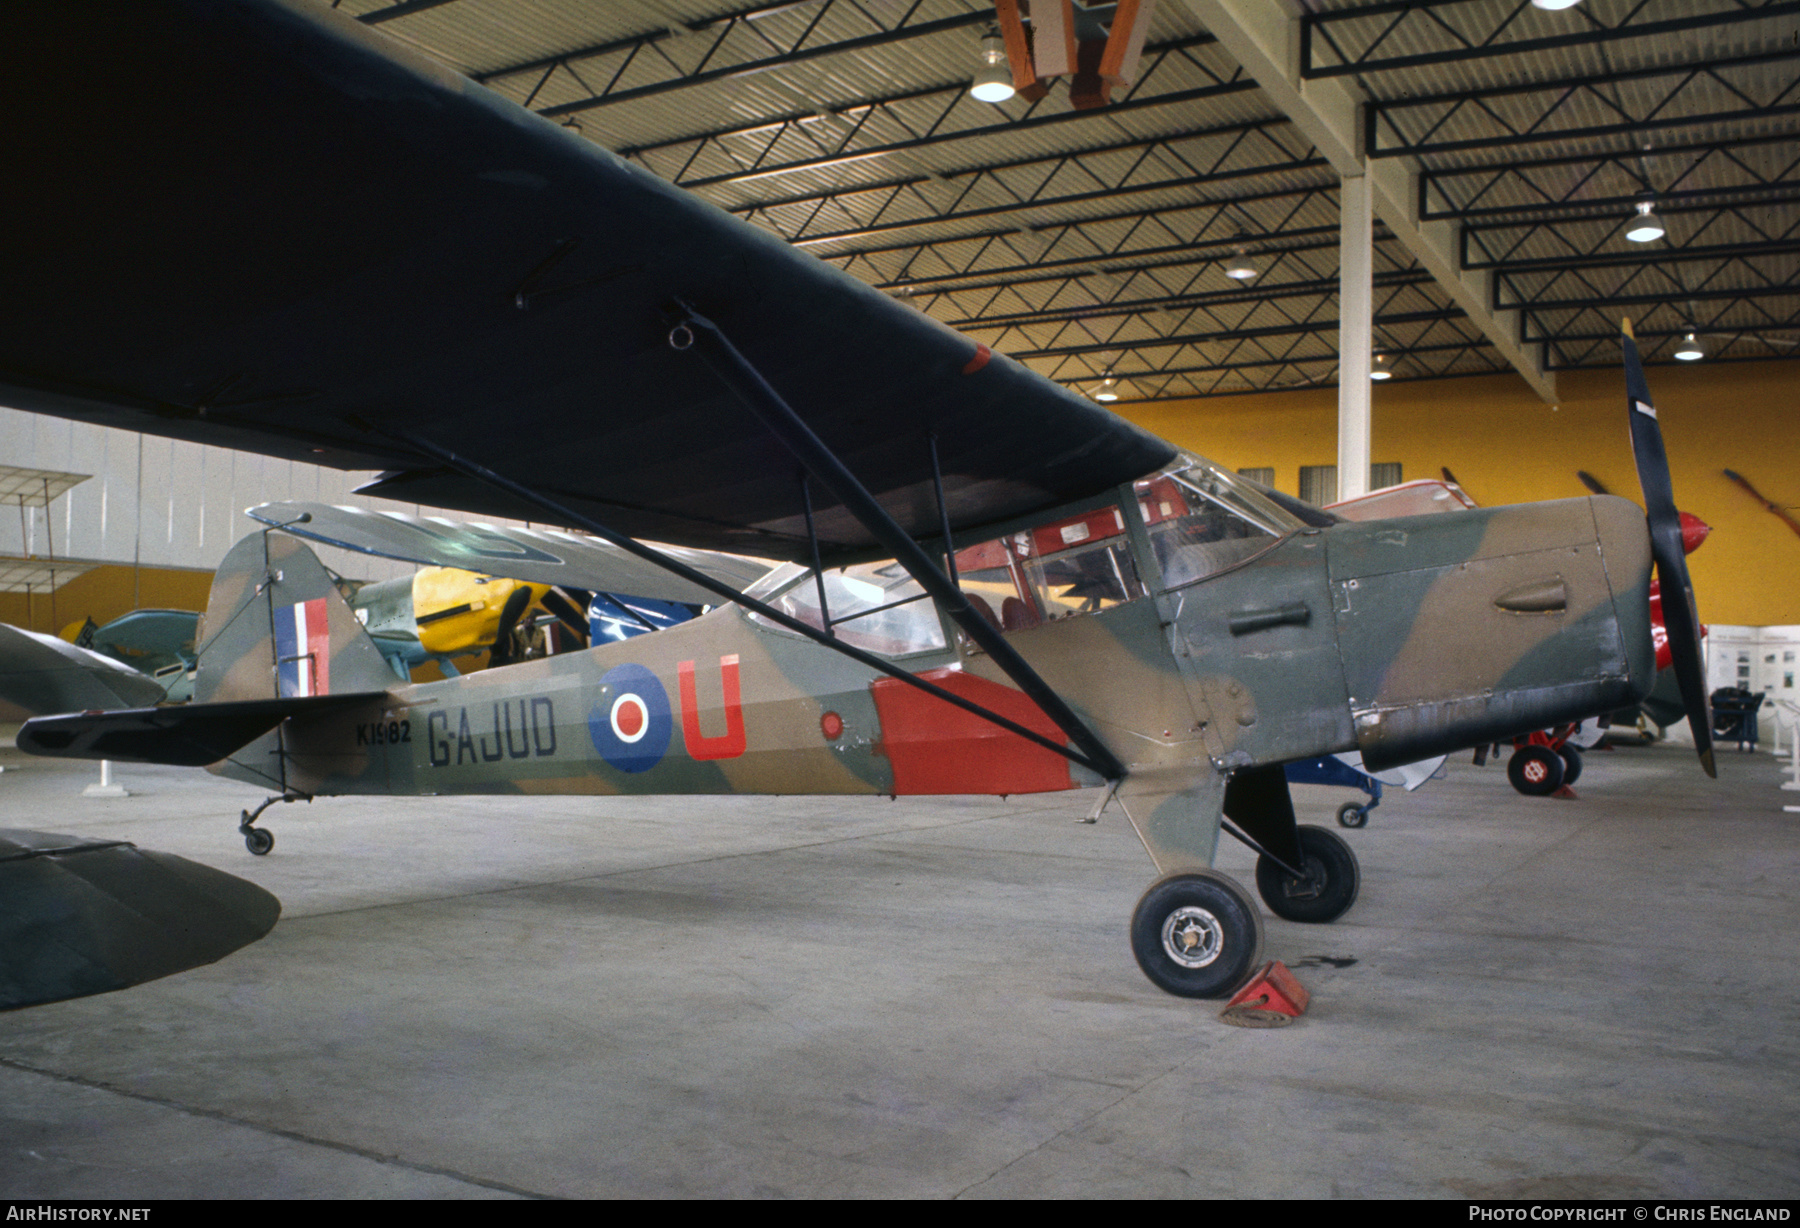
point(161, 502)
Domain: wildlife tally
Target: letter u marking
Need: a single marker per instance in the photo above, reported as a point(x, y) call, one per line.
point(728, 745)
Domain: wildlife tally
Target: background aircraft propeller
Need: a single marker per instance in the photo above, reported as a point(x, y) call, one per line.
point(1666, 547)
point(1756, 494)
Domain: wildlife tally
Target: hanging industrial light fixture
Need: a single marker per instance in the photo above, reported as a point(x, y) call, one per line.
point(1107, 390)
point(1554, 5)
point(1648, 227)
point(1380, 368)
point(1690, 349)
point(1240, 267)
point(993, 76)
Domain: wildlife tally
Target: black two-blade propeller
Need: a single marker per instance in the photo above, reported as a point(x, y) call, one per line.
point(1680, 617)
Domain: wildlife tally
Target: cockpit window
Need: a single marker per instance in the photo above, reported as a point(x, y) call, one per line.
point(873, 606)
point(1202, 520)
point(1075, 565)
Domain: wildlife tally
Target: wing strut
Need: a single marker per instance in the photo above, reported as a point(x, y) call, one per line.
point(762, 400)
point(564, 515)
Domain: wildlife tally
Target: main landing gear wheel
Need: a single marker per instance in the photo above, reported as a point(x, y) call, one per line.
point(1328, 888)
point(259, 840)
point(1535, 771)
point(1352, 815)
point(1571, 764)
point(1197, 935)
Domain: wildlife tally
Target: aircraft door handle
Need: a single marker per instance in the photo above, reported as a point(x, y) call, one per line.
point(1244, 622)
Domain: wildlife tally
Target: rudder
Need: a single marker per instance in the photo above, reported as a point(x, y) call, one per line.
point(276, 627)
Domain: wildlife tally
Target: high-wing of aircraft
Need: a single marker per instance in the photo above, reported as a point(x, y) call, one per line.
point(481, 584)
point(280, 232)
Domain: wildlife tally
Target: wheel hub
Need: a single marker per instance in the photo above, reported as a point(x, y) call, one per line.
point(1309, 887)
point(1193, 937)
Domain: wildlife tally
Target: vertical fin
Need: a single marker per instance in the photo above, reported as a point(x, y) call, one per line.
point(276, 627)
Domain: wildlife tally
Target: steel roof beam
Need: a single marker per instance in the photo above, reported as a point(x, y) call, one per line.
point(1116, 183)
point(1219, 212)
point(1075, 268)
point(647, 49)
point(1654, 257)
point(1379, 121)
point(1498, 244)
point(1306, 328)
point(849, 157)
point(1216, 298)
point(858, 116)
point(1474, 345)
point(1385, 20)
point(404, 8)
point(1534, 309)
point(1264, 38)
point(1683, 200)
point(1626, 163)
point(1161, 144)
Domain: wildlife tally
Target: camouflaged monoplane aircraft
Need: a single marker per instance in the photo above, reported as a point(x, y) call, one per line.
point(263, 226)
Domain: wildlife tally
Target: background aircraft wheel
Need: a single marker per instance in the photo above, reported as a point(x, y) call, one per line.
point(1535, 771)
point(1571, 764)
point(259, 840)
point(1332, 880)
point(1197, 935)
point(1352, 815)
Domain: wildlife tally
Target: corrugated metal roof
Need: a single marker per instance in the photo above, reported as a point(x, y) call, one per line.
point(844, 125)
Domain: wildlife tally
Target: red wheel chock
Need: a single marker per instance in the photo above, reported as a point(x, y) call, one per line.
point(1567, 794)
point(1272, 999)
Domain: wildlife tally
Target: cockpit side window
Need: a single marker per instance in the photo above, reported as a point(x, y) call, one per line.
point(873, 606)
point(1074, 565)
point(1201, 522)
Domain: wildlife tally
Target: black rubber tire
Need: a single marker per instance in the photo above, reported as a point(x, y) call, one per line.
point(1535, 771)
point(1571, 764)
point(1333, 878)
point(259, 840)
point(1352, 815)
point(1206, 906)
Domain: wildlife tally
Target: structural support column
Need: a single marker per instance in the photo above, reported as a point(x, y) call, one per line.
point(1356, 334)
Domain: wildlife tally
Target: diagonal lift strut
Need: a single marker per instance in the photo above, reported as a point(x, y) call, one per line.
point(762, 400)
point(566, 515)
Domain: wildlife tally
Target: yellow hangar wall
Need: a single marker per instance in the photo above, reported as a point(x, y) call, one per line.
point(105, 593)
point(1506, 446)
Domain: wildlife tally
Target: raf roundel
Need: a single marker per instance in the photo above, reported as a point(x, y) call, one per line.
point(630, 723)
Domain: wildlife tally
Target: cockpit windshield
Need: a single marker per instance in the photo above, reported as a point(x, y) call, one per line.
point(1202, 520)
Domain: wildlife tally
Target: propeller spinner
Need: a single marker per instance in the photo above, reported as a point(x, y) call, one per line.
point(1666, 547)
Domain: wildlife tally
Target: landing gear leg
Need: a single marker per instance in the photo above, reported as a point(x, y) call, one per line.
point(259, 840)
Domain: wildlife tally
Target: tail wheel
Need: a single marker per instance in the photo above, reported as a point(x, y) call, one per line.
point(1535, 771)
point(1197, 935)
point(1352, 815)
point(1324, 892)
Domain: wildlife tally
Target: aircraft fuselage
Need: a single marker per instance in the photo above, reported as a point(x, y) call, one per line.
point(1403, 639)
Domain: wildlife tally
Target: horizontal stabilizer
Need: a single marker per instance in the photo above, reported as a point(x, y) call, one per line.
point(41, 673)
point(541, 556)
point(81, 917)
point(192, 735)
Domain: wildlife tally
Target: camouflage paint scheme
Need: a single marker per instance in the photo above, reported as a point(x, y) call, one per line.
point(1400, 639)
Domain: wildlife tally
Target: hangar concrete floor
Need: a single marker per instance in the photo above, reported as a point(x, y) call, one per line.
point(930, 998)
